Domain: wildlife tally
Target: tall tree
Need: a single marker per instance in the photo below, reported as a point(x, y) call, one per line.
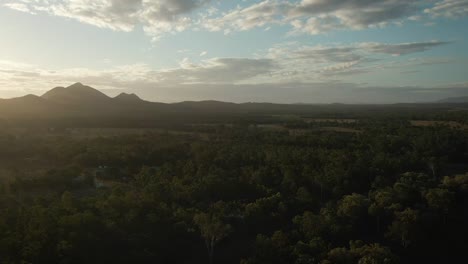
point(212, 229)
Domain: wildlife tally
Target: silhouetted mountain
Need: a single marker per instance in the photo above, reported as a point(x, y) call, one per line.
point(28, 106)
point(463, 99)
point(128, 98)
point(76, 94)
point(79, 104)
point(27, 99)
point(208, 105)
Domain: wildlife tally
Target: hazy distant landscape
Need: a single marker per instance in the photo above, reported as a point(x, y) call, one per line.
point(81, 101)
point(86, 178)
point(233, 132)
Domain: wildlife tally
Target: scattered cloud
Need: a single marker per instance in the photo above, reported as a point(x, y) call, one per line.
point(218, 70)
point(284, 63)
point(403, 48)
point(345, 68)
point(306, 63)
point(354, 14)
point(19, 7)
point(327, 54)
point(231, 79)
point(156, 16)
point(240, 19)
point(315, 16)
point(287, 72)
point(160, 17)
point(449, 8)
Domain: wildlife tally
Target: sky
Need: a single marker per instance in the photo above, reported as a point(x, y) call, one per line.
point(304, 51)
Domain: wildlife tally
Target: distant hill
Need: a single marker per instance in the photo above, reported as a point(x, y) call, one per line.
point(462, 99)
point(128, 98)
point(79, 104)
point(76, 94)
point(28, 106)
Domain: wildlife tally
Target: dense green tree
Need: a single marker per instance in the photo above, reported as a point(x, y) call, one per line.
point(212, 229)
point(389, 193)
point(405, 227)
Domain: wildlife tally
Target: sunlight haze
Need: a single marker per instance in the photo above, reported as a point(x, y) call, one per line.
point(309, 51)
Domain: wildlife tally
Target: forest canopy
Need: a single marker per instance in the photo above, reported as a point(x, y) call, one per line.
point(383, 190)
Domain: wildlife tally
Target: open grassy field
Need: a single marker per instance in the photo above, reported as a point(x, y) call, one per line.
point(452, 124)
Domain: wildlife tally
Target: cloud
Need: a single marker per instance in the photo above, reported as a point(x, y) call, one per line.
point(218, 70)
point(315, 54)
point(284, 65)
point(240, 19)
point(156, 16)
point(307, 63)
point(7, 64)
point(167, 16)
point(316, 16)
point(315, 25)
point(25, 74)
point(211, 71)
point(228, 79)
point(346, 68)
point(287, 62)
point(449, 8)
point(403, 48)
point(322, 54)
point(160, 17)
point(354, 14)
point(22, 7)
point(203, 53)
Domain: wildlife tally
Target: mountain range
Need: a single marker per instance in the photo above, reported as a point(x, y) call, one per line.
point(79, 101)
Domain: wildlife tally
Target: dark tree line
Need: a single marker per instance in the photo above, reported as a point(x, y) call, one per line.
point(390, 194)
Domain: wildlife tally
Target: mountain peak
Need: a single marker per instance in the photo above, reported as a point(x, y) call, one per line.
point(127, 97)
point(29, 98)
point(78, 84)
point(76, 93)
